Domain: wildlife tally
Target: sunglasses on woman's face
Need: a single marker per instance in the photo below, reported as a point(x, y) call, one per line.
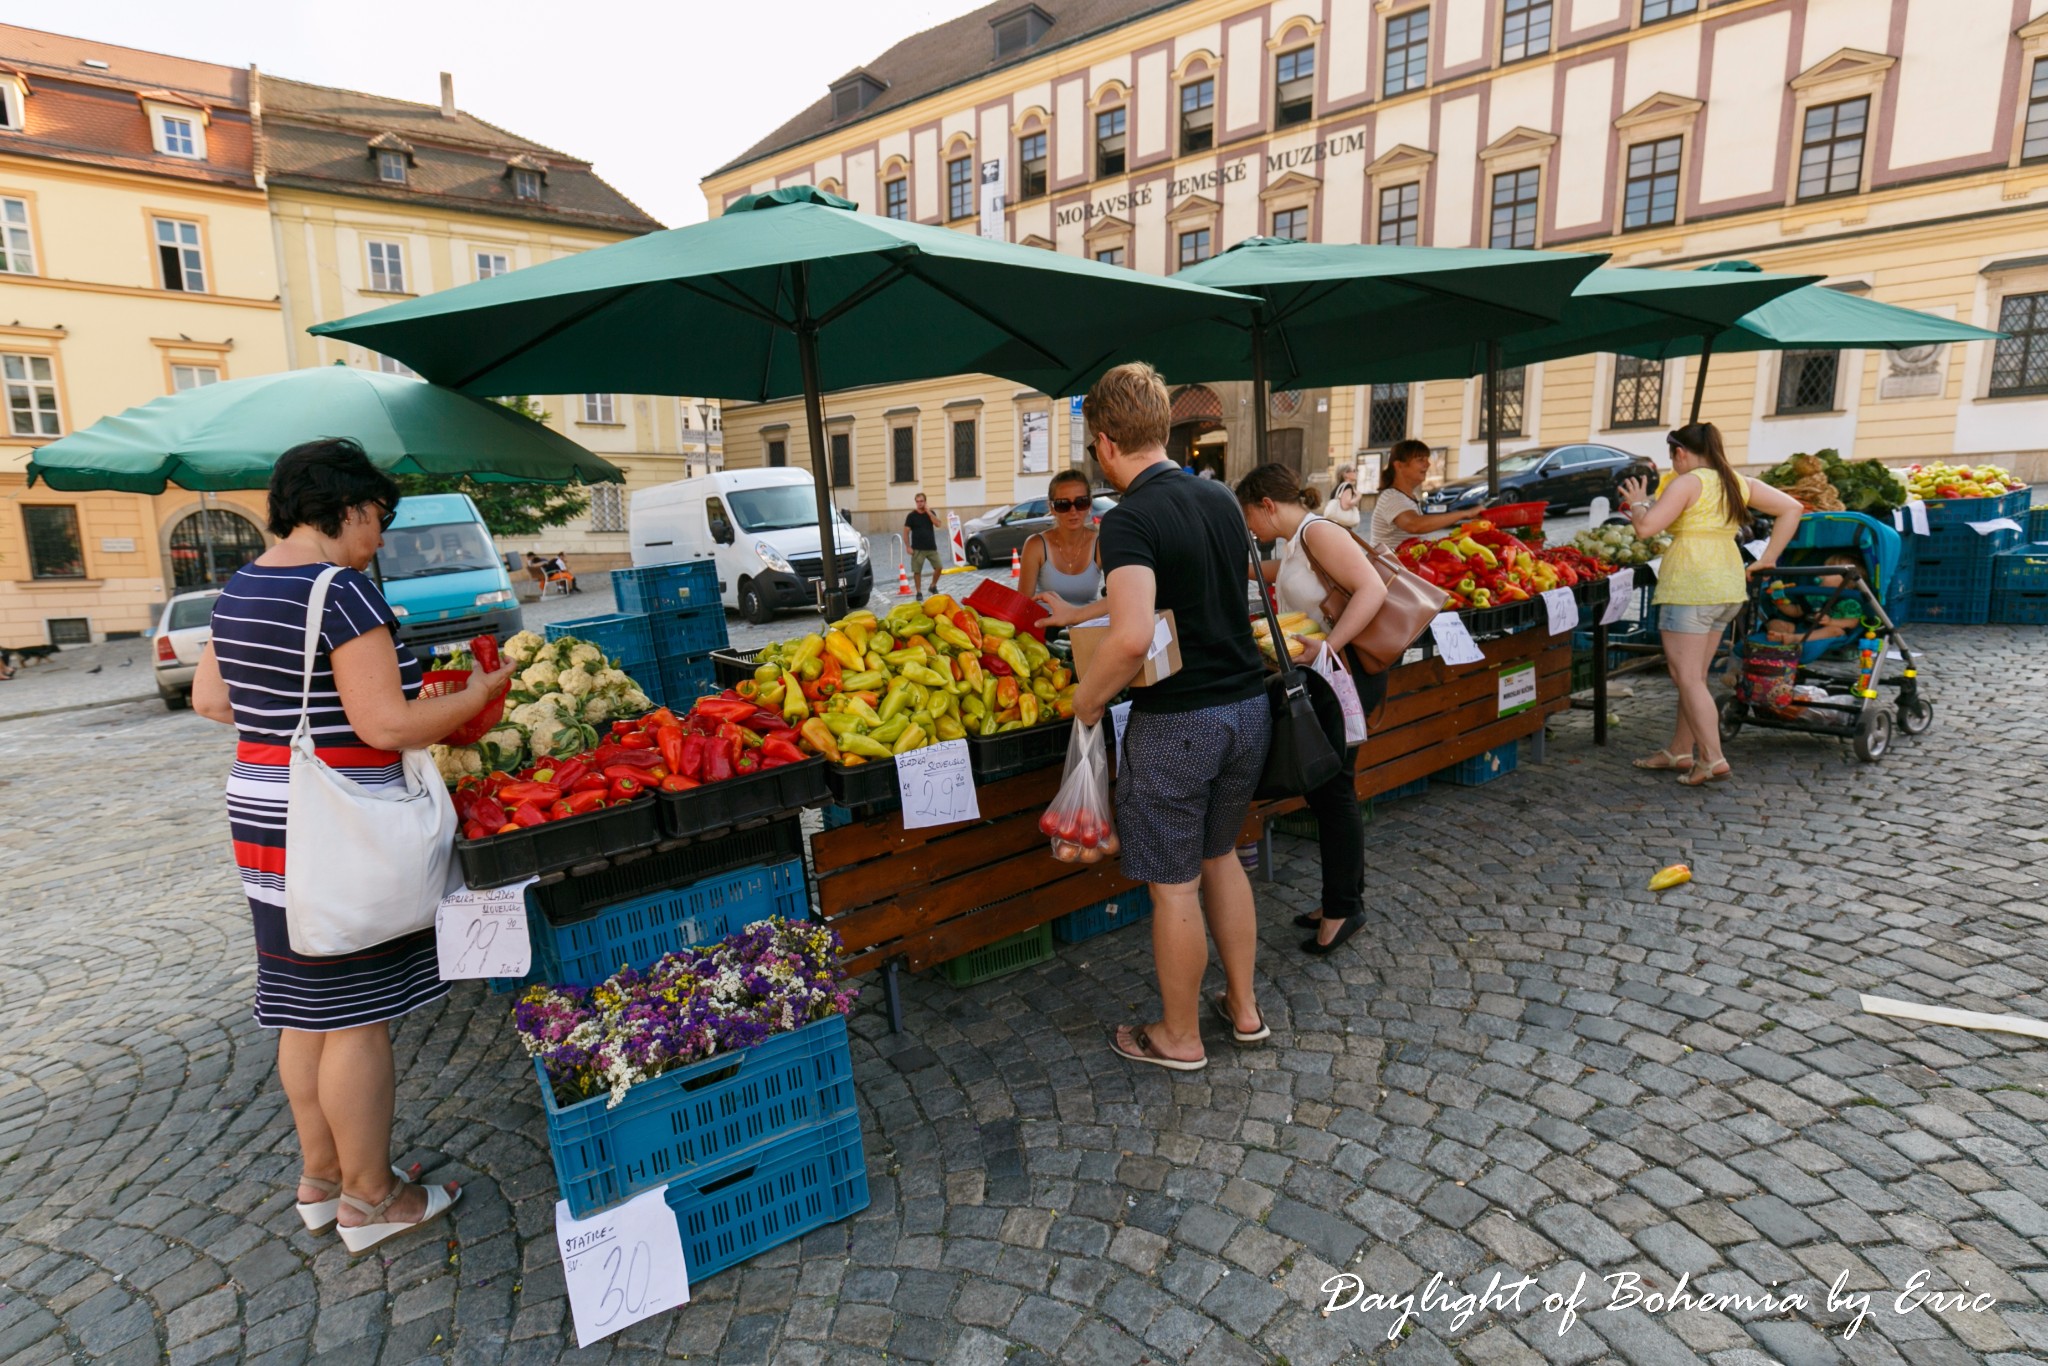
point(385, 516)
point(1070, 504)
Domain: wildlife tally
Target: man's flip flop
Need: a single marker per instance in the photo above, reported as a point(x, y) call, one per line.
point(1147, 1053)
point(1259, 1035)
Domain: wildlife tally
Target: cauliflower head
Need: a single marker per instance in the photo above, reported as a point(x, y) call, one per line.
point(582, 652)
point(577, 682)
point(539, 676)
point(522, 647)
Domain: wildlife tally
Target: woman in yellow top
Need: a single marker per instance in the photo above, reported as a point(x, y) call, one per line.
point(1700, 584)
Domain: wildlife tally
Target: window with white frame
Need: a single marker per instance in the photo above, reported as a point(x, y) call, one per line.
point(179, 136)
point(391, 365)
point(1407, 60)
point(390, 166)
point(185, 377)
point(10, 104)
point(1525, 29)
point(1401, 215)
point(1831, 148)
point(599, 408)
point(31, 383)
point(1516, 198)
point(1655, 11)
point(491, 264)
point(526, 184)
point(387, 267)
point(1650, 188)
point(1291, 223)
point(17, 244)
point(607, 507)
point(1194, 246)
point(179, 255)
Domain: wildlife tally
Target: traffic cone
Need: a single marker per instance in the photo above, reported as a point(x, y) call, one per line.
point(1016, 567)
point(902, 580)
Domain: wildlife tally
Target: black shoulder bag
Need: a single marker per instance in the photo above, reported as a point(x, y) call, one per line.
point(1300, 757)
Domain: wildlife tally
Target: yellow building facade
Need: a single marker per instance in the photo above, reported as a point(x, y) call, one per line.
point(138, 261)
point(1899, 151)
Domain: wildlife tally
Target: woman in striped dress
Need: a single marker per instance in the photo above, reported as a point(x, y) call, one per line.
point(329, 505)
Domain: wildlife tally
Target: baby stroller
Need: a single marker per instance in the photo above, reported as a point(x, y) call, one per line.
point(1830, 686)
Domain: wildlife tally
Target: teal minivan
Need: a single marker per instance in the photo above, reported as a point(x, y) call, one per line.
point(442, 575)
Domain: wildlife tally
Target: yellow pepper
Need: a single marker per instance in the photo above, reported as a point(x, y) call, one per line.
point(996, 626)
point(1027, 708)
point(1008, 652)
point(913, 738)
point(951, 729)
point(864, 745)
point(937, 605)
point(1670, 877)
point(794, 708)
point(842, 648)
point(810, 647)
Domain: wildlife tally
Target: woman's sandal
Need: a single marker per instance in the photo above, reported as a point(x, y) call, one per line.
point(363, 1237)
point(1700, 777)
point(319, 1215)
point(1681, 762)
point(1259, 1035)
point(1309, 922)
point(1147, 1053)
point(1352, 925)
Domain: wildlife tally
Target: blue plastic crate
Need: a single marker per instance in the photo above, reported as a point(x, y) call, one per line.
point(682, 585)
point(1125, 908)
point(1951, 608)
point(1951, 574)
point(1497, 762)
point(2027, 607)
point(635, 933)
point(764, 1198)
point(836, 816)
point(1414, 789)
point(680, 1123)
point(1900, 590)
point(2037, 523)
point(1960, 512)
point(1961, 542)
point(683, 681)
point(2022, 570)
point(687, 634)
point(620, 635)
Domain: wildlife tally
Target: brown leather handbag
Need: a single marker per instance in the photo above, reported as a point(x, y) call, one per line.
point(1412, 603)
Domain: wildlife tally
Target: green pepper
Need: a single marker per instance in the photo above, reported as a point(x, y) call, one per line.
point(865, 745)
point(890, 728)
point(896, 699)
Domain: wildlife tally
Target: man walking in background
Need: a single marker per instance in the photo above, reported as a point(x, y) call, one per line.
point(921, 539)
point(1196, 742)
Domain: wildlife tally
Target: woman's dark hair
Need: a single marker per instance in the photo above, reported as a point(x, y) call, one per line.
point(315, 483)
point(1280, 483)
point(1406, 449)
point(1703, 439)
point(1052, 486)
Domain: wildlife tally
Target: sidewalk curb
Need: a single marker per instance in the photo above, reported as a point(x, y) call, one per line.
point(76, 706)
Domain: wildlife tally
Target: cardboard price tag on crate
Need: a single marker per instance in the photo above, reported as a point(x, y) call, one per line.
point(622, 1265)
point(937, 785)
point(1563, 609)
point(1516, 691)
point(1621, 596)
point(483, 934)
point(1454, 644)
point(1916, 516)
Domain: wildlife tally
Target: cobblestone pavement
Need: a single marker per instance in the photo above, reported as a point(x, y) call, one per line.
point(1528, 1067)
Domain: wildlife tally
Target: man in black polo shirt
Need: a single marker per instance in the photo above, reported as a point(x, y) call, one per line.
point(1197, 740)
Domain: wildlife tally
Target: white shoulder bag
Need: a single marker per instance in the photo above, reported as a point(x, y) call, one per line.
point(362, 865)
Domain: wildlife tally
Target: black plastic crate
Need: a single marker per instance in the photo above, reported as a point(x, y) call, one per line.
point(718, 806)
point(995, 757)
point(864, 787)
point(580, 896)
point(733, 667)
point(558, 846)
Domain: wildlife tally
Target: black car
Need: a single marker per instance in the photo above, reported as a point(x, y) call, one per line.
point(1565, 477)
point(991, 545)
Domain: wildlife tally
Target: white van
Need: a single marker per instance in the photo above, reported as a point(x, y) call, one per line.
point(761, 526)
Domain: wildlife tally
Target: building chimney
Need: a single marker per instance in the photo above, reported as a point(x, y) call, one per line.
point(447, 96)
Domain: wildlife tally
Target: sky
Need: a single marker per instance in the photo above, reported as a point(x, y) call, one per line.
point(655, 94)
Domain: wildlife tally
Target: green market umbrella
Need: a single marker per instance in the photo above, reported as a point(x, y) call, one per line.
point(1812, 318)
point(229, 435)
point(1327, 312)
point(795, 292)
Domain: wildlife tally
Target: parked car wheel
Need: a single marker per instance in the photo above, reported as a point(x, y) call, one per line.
point(176, 700)
point(755, 605)
point(977, 554)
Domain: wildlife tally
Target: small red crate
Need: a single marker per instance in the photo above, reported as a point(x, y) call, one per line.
point(992, 599)
point(1511, 515)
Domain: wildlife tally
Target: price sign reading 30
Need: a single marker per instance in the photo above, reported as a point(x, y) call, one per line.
point(622, 1265)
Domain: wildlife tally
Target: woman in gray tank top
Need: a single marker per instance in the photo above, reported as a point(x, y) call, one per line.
point(1062, 561)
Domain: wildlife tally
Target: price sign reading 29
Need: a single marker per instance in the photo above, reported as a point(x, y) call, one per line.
point(622, 1265)
point(937, 785)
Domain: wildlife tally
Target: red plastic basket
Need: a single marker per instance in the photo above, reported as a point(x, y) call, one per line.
point(1515, 514)
point(441, 682)
point(994, 600)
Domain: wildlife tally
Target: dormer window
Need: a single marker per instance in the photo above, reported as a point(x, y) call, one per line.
point(393, 156)
point(529, 177)
point(854, 93)
point(177, 126)
point(13, 89)
point(391, 167)
point(1019, 29)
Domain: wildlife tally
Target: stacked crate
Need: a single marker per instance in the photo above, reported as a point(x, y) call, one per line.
point(685, 619)
point(2019, 586)
point(1952, 563)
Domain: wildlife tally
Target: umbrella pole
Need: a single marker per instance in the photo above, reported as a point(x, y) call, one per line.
point(814, 424)
point(1699, 384)
point(1492, 397)
point(1259, 445)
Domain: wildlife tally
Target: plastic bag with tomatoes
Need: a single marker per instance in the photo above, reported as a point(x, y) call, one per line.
point(1081, 822)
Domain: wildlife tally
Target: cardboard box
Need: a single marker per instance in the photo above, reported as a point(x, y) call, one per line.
point(1161, 661)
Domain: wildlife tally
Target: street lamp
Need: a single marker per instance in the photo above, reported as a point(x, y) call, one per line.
point(704, 420)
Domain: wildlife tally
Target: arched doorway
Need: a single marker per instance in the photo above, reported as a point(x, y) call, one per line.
point(206, 547)
point(1197, 412)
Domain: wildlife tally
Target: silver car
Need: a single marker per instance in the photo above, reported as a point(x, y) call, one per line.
point(181, 634)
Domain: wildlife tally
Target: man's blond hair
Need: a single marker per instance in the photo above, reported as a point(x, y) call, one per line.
point(1130, 406)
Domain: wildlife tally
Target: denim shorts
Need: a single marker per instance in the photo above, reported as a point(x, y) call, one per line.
point(1184, 785)
point(1697, 619)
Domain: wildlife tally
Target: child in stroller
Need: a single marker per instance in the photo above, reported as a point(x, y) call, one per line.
point(1830, 611)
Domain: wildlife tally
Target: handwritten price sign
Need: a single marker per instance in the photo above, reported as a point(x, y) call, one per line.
point(483, 934)
point(937, 785)
point(622, 1265)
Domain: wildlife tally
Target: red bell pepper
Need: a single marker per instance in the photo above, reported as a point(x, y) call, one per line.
point(590, 782)
point(726, 708)
point(745, 764)
point(626, 789)
point(636, 758)
point(587, 799)
point(765, 722)
point(669, 740)
point(995, 666)
point(638, 739)
point(560, 809)
point(567, 771)
point(828, 678)
point(528, 814)
point(717, 764)
point(691, 765)
point(538, 793)
point(616, 772)
point(778, 749)
point(656, 719)
point(474, 830)
point(485, 648)
point(676, 782)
